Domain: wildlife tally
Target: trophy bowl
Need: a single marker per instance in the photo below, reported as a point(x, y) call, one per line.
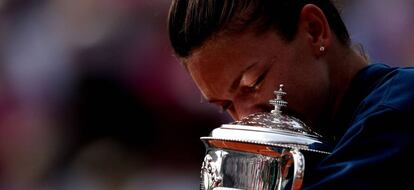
point(262, 151)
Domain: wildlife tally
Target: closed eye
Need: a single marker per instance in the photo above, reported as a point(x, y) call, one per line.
point(258, 81)
point(256, 84)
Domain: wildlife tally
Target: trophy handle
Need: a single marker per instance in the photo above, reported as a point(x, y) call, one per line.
point(291, 157)
point(299, 168)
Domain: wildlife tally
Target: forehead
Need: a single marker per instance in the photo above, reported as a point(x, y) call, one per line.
point(219, 62)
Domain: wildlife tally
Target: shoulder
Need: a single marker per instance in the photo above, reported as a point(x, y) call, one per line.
point(380, 135)
point(388, 105)
point(399, 92)
point(394, 90)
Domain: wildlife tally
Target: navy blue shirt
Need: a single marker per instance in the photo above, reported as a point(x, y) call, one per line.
point(374, 134)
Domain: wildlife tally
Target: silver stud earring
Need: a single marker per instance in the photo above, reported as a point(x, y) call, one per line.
point(322, 48)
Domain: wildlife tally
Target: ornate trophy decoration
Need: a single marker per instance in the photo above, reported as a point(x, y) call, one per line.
point(262, 151)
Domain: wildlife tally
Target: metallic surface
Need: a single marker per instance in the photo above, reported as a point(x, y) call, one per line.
point(260, 152)
point(227, 169)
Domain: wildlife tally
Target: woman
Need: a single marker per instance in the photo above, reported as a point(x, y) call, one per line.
point(238, 51)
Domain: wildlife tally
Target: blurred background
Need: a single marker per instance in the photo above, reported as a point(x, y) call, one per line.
point(91, 96)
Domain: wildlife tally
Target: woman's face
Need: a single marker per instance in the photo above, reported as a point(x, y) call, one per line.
point(240, 73)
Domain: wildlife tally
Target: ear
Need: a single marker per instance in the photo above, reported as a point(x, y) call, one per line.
point(314, 26)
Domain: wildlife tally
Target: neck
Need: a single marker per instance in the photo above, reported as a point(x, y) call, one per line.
point(344, 65)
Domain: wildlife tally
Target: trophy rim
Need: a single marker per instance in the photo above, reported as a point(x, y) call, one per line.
point(258, 142)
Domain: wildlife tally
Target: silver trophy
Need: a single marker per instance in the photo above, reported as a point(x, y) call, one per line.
point(262, 151)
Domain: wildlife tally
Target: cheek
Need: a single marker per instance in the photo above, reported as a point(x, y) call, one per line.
point(308, 92)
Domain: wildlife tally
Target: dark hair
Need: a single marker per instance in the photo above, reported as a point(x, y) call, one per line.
point(193, 22)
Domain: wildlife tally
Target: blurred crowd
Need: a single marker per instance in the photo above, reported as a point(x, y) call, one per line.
point(91, 96)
